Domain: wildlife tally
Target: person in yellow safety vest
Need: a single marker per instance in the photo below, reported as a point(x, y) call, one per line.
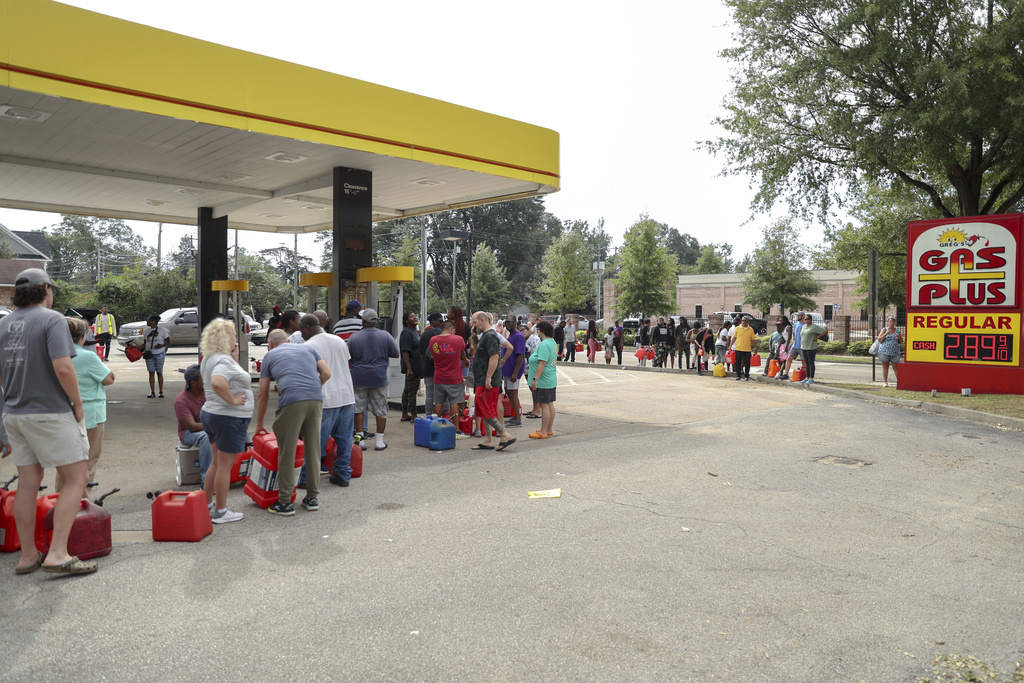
point(106, 328)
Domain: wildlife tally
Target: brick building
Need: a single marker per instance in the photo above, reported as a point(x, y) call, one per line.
point(30, 251)
point(701, 295)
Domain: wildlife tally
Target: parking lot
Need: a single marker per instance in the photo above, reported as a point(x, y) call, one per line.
point(705, 530)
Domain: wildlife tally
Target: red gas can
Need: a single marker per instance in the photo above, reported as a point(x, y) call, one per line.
point(799, 375)
point(262, 484)
point(240, 470)
point(356, 461)
point(181, 516)
point(43, 506)
point(90, 534)
point(9, 541)
point(506, 406)
point(332, 454)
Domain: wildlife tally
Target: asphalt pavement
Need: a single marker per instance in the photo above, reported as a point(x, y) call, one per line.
point(706, 530)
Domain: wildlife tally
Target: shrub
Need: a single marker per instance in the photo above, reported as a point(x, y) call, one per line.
point(762, 344)
point(832, 348)
point(859, 348)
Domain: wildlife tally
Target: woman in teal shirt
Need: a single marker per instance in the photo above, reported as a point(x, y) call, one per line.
point(93, 375)
point(543, 380)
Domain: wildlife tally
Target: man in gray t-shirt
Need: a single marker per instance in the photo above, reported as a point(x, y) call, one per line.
point(44, 418)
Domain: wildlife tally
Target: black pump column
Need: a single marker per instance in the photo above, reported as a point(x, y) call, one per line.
point(211, 263)
point(352, 232)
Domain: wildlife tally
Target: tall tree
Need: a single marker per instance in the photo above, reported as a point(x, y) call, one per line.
point(715, 258)
point(778, 274)
point(84, 249)
point(647, 272)
point(685, 247)
point(282, 261)
point(184, 257)
point(567, 280)
point(832, 93)
point(490, 282)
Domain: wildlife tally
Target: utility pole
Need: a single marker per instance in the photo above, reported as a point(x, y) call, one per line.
point(423, 272)
point(159, 242)
point(873, 301)
point(295, 253)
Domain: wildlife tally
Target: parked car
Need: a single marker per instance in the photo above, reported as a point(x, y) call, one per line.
point(4, 311)
point(181, 323)
point(760, 325)
point(553, 319)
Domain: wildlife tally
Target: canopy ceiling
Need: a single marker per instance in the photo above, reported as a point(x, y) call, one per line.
point(105, 117)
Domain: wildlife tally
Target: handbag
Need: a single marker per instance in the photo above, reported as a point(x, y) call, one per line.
point(873, 349)
point(147, 354)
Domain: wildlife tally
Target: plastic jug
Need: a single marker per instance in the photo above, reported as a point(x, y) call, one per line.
point(773, 367)
point(181, 516)
point(356, 461)
point(262, 485)
point(719, 370)
point(755, 360)
point(421, 430)
point(43, 506)
point(730, 357)
point(90, 533)
point(441, 435)
point(9, 541)
point(240, 469)
point(799, 375)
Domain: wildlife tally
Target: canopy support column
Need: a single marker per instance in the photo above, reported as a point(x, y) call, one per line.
point(353, 234)
point(211, 263)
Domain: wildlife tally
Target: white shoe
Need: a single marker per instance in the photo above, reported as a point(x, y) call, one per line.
point(224, 516)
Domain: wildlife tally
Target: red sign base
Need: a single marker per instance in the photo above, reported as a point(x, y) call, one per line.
point(951, 378)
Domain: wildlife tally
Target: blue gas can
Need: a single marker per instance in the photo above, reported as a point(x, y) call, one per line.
point(435, 433)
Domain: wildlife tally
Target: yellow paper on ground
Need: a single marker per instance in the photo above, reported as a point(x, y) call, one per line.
point(550, 493)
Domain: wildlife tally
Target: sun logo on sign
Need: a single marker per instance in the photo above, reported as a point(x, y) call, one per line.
point(952, 238)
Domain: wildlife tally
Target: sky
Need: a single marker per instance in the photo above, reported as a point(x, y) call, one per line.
point(631, 92)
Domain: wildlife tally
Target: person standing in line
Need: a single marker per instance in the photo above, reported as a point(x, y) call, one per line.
point(532, 343)
point(570, 339)
point(225, 414)
point(643, 339)
point(671, 342)
point(275, 319)
point(743, 344)
point(512, 371)
point(722, 342)
point(154, 350)
point(300, 373)
point(350, 322)
point(447, 352)
point(560, 339)
point(409, 346)
point(609, 345)
point(781, 350)
point(487, 378)
point(290, 325)
point(338, 417)
point(618, 332)
point(809, 336)
point(188, 408)
point(544, 380)
point(370, 349)
point(93, 375)
point(44, 419)
point(106, 330)
point(795, 350)
point(889, 341)
point(593, 341)
point(426, 360)
point(683, 342)
point(659, 338)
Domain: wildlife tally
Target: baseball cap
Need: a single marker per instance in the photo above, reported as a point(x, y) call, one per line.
point(191, 374)
point(353, 305)
point(434, 316)
point(31, 277)
point(369, 314)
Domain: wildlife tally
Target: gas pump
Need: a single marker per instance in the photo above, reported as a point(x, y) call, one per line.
point(235, 287)
point(313, 282)
point(397, 276)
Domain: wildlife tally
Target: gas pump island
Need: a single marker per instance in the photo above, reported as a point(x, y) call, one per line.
point(964, 305)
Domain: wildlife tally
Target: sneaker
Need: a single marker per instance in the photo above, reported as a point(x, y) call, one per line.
point(311, 504)
point(514, 423)
point(323, 468)
point(746, 379)
point(477, 433)
point(381, 447)
point(810, 380)
point(286, 510)
point(461, 435)
point(224, 516)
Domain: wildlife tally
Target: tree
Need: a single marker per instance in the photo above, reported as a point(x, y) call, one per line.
point(778, 274)
point(715, 258)
point(567, 279)
point(647, 273)
point(685, 247)
point(184, 257)
point(84, 249)
point(282, 261)
point(490, 283)
point(830, 94)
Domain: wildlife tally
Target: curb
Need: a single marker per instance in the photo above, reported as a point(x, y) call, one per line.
point(1015, 423)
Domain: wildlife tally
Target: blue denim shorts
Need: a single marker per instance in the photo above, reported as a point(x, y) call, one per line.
point(229, 434)
point(155, 363)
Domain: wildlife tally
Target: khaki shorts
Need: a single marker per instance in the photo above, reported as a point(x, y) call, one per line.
point(511, 384)
point(48, 439)
point(374, 399)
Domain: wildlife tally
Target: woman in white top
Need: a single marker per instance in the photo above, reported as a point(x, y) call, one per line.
point(722, 341)
point(226, 413)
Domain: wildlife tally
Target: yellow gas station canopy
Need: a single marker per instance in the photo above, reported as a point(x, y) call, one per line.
point(105, 117)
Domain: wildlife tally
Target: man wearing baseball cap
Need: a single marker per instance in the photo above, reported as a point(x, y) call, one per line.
point(371, 349)
point(350, 322)
point(44, 418)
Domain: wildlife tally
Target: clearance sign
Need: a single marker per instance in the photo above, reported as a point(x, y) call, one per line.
point(964, 298)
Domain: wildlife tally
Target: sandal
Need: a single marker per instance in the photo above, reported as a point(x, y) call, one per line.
point(531, 416)
point(32, 567)
point(537, 435)
point(481, 447)
point(72, 566)
point(505, 444)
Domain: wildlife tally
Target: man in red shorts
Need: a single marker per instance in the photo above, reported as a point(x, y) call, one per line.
point(487, 377)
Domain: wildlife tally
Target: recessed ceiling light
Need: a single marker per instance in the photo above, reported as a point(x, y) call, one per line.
point(231, 177)
point(428, 182)
point(314, 207)
point(285, 157)
point(189, 192)
point(271, 215)
point(23, 113)
point(156, 202)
